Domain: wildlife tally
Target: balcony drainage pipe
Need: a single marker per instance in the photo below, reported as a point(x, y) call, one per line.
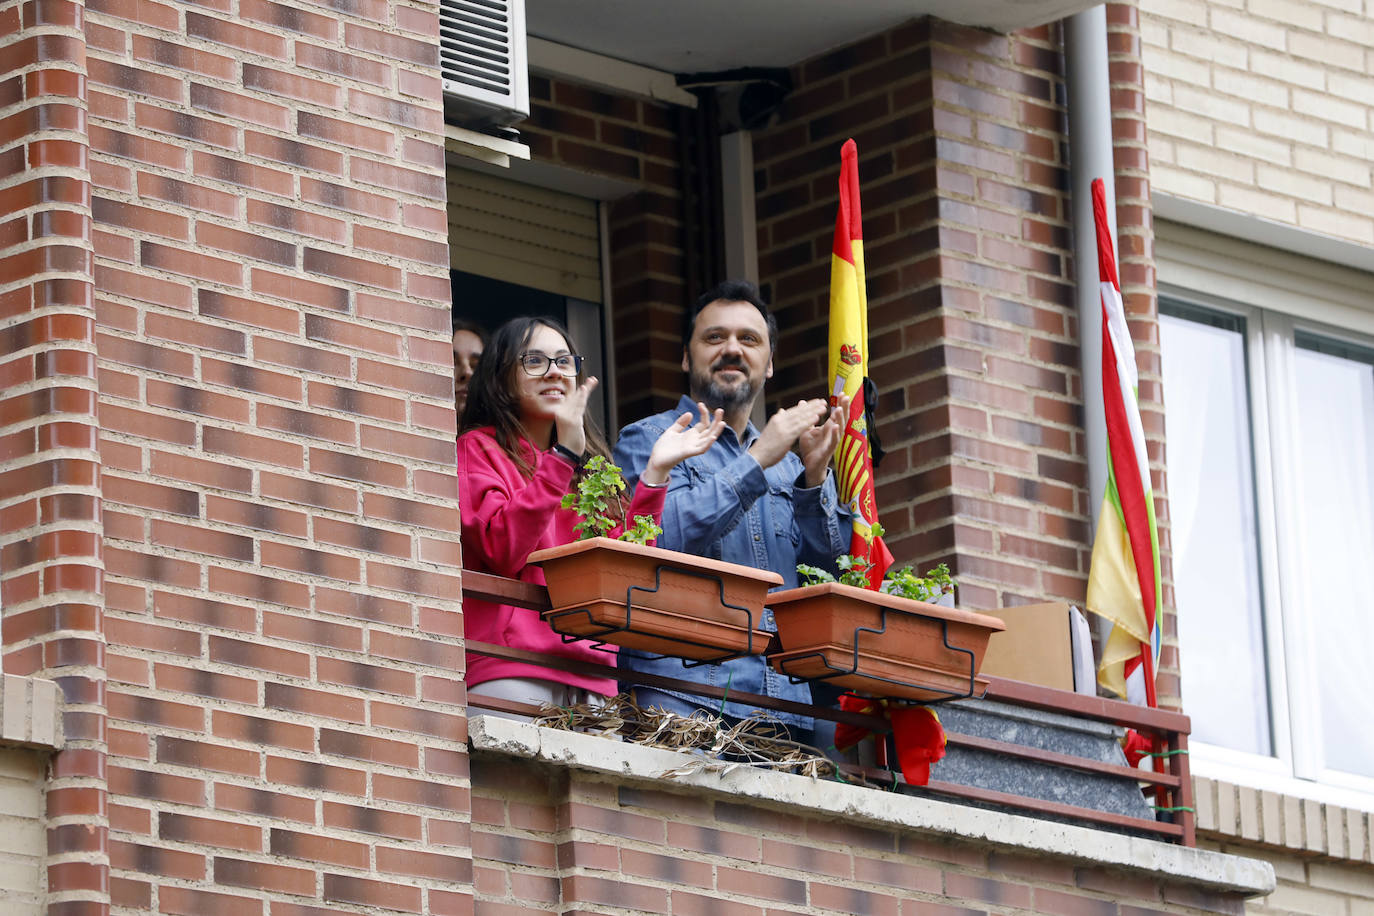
point(1090, 156)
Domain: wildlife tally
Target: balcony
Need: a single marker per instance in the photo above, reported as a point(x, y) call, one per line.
point(597, 794)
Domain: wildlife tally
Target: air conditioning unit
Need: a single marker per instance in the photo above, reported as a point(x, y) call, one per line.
point(482, 60)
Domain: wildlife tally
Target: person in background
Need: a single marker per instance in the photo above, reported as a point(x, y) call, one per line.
point(468, 342)
point(750, 499)
point(525, 435)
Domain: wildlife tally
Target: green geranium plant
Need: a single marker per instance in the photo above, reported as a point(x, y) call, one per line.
point(903, 582)
point(599, 487)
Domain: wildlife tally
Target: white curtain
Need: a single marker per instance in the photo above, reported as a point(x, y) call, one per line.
point(1335, 448)
point(1212, 522)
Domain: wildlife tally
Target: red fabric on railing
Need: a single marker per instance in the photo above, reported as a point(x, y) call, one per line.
point(916, 730)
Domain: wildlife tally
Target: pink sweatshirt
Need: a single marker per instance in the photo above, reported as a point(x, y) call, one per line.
point(505, 518)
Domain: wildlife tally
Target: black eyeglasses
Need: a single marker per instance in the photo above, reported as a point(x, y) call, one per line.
point(537, 364)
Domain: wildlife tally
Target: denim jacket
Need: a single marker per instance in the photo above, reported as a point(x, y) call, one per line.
point(723, 505)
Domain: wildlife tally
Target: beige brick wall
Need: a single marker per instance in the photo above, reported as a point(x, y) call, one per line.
point(21, 831)
point(1309, 887)
point(1322, 854)
point(1265, 107)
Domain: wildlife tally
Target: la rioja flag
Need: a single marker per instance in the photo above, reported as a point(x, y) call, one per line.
point(1124, 578)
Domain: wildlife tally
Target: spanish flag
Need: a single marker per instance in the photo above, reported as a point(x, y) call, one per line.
point(1124, 578)
point(849, 367)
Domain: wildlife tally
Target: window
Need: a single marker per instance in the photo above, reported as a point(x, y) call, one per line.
point(1270, 457)
point(519, 249)
point(1215, 534)
point(1334, 520)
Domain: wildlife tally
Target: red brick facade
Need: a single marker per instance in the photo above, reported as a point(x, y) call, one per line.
point(970, 302)
point(973, 323)
point(51, 545)
point(561, 841)
point(286, 715)
point(230, 516)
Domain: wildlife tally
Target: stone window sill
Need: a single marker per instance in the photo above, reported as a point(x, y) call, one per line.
point(30, 713)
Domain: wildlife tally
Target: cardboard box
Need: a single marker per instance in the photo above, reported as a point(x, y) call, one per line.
point(1036, 647)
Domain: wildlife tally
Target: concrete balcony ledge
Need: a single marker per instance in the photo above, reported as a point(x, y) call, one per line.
point(30, 713)
point(1203, 869)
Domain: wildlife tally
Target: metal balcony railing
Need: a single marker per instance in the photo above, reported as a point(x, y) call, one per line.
point(1169, 788)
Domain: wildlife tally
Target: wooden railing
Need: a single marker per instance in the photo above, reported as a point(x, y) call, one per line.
point(1170, 789)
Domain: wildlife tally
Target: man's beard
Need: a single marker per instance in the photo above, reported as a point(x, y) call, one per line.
point(707, 390)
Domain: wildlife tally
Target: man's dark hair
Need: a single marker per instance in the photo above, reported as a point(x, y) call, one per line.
point(733, 291)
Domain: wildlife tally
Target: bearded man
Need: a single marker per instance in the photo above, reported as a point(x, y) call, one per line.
point(750, 498)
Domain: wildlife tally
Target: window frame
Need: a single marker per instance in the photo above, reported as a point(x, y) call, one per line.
point(1270, 342)
point(1265, 525)
point(1282, 340)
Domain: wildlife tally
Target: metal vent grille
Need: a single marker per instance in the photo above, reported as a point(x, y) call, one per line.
point(482, 58)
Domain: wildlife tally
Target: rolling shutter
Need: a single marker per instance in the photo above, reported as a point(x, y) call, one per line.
point(525, 235)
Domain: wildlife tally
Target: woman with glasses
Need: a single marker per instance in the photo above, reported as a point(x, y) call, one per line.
point(522, 441)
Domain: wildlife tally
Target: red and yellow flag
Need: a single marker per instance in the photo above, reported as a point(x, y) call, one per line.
point(1124, 578)
point(849, 367)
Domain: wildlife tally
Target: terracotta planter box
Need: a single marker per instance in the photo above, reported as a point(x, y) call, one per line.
point(655, 600)
point(880, 644)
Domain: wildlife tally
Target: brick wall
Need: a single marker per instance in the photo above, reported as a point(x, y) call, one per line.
point(1264, 107)
point(555, 840)
point(1312, 888)
point(279, 521)
point(23, 882)
point(963, 164)
point(286, 711)
point(50, 526)
point(1261, 107)
point(1323, 854)
point(971, 315)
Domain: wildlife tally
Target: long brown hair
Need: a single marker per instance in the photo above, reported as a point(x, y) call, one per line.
point(491, 393)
